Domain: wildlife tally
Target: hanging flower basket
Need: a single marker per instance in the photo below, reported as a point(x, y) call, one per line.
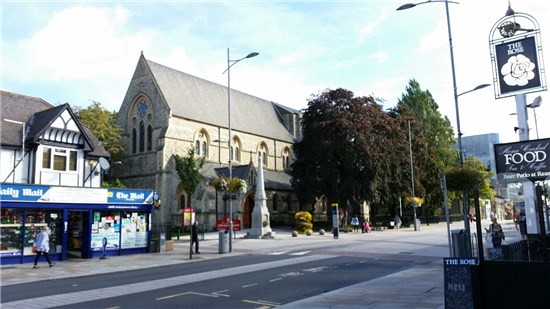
point(414, 201)
point(233, 185)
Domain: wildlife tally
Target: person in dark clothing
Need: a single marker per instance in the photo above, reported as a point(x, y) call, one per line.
point(195, 237)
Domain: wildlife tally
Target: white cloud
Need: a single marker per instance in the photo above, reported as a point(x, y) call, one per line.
point(80, 43)
point(379, 56)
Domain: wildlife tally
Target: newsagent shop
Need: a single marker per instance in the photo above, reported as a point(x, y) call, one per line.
point(84, 222)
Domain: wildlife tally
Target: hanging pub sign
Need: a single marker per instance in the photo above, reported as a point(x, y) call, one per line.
point(530, 160)
point(516, 56)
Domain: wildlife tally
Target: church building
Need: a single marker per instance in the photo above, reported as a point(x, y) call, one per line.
point(167, 112)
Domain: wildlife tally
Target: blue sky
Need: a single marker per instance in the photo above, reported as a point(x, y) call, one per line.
point(83, 51)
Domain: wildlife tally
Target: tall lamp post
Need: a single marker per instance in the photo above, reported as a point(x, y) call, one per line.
point(412, 178)
point(231, 63)
point(455, 95)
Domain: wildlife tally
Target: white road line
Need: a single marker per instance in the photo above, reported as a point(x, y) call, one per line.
point(249, 285)
point(219, 293)
point(133, 288)
point(276, 279)
point(300, 253)
point(278, 253)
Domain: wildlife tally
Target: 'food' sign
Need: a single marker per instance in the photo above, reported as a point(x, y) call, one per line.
point(523, 160)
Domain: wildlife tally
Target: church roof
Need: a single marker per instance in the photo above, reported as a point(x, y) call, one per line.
point(200, 100)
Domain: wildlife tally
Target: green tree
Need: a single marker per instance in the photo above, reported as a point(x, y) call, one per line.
point(188, 170)
point(348, 153)
point(432, 143)
point(103, 125)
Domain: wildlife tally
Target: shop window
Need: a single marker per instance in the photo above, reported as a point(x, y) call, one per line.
point(11, 233)
point(134, 230)
point(18, 229)
point(106, 224)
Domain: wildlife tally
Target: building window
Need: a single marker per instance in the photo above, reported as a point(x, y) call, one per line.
point(149, 138)
point(236, 149)
point(201, 144)
point(141, 126)
point(63, 159)
point(134, 141)
point(275, 201)
point(262, 153)
point(286, 158)
point(141, 136)
point(72, 161)
point(47, 158)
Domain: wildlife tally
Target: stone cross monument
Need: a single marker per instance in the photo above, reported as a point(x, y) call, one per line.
point(260, 214)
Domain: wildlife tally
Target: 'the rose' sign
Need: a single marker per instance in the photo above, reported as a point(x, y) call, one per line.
point(523, 160)
point(518, 67)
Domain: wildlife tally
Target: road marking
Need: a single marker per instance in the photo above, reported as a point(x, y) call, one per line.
point(276, 279)
point(249, 285)
point(185, 293)
point(132, 288)
point(266, 304)
point(278, 253)
point(300, 253)
point(219, 293)
point(316, 269)
point(291, 274)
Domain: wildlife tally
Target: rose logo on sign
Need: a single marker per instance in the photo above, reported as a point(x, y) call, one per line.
point(518, 71)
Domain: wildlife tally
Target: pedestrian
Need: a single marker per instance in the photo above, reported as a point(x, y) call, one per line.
point(195, 237)
point(496, 232)
point(397, 222)
point(472, 217)
point(367, 226)
point(522, 221)
point(42, 246)
point(355, 224)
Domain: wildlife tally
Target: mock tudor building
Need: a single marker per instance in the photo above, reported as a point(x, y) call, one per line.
point(167, 112)
point(50, 175)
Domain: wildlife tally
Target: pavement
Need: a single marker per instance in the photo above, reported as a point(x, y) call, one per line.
point(420, 286)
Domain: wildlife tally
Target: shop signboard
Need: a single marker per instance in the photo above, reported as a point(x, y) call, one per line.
point(523, 160)
point(73, 195)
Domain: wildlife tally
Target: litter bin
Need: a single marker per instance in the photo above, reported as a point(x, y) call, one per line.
point(224, 242)
point(459, 246)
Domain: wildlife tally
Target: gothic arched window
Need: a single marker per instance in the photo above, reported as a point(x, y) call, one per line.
point(201, 144)
point(141, 126)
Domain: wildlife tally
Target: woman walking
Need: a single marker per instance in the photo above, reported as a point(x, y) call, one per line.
point(42, 245)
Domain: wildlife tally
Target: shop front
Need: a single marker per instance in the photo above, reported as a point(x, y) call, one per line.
point(84, 222)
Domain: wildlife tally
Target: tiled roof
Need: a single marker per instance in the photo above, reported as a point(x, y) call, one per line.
point(37, 115)
point(200, 100)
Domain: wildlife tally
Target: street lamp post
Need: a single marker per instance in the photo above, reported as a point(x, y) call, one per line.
point(412, 178)
point(455, 96)
point(231, 63)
